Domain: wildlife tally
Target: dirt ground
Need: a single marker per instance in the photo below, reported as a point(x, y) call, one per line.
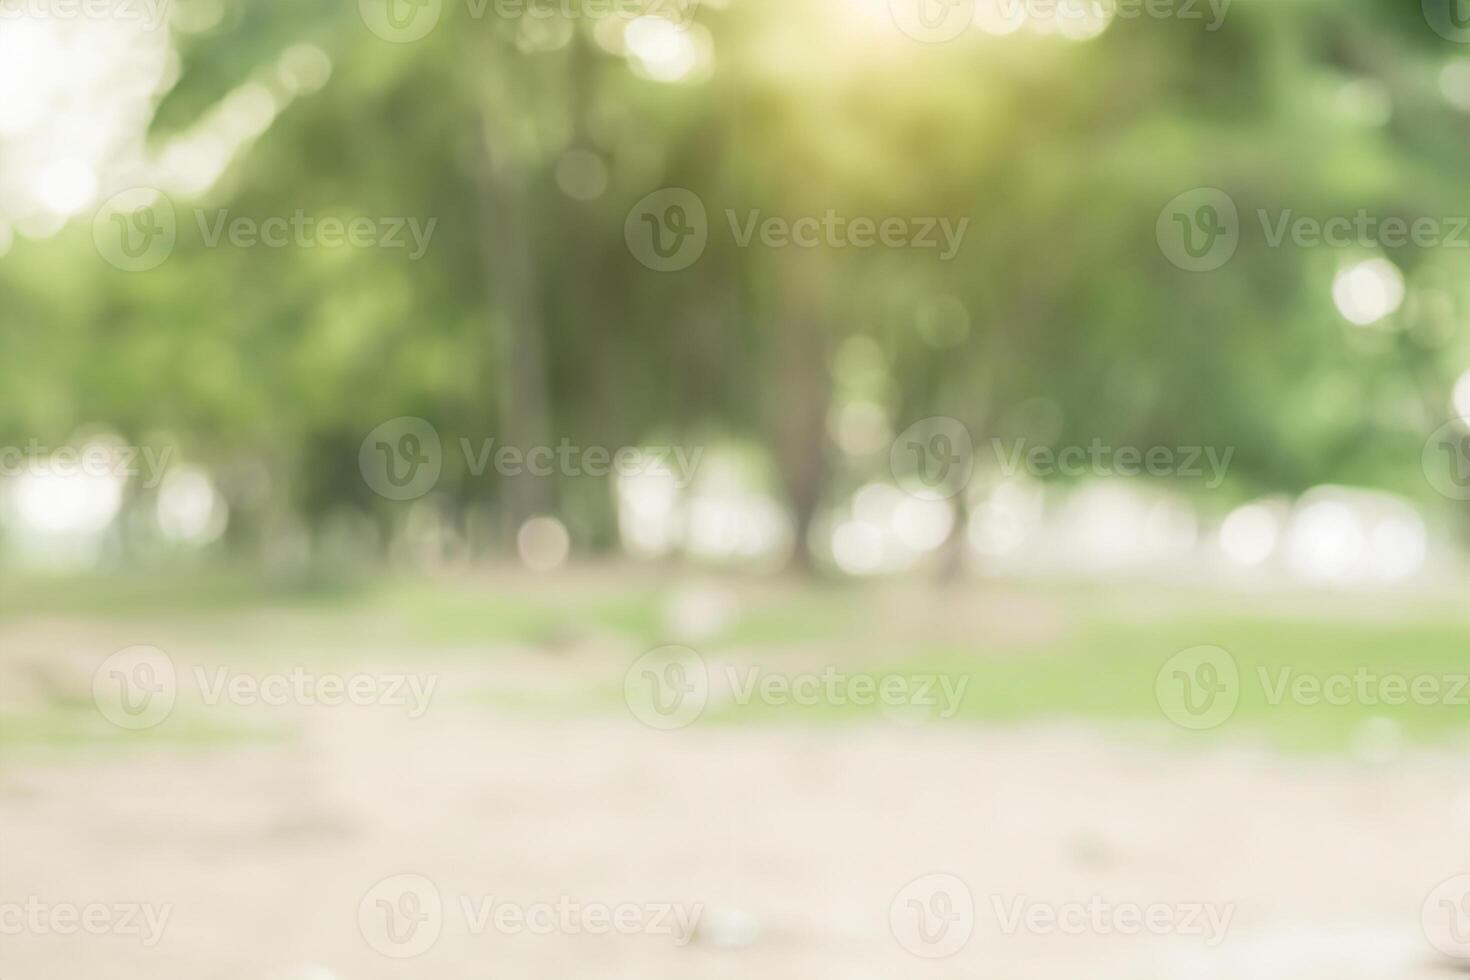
point(793, 842)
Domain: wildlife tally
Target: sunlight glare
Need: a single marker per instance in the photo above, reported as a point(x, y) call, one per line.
point(1368, 291)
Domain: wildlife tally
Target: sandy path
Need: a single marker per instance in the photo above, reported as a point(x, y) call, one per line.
point(800, 837)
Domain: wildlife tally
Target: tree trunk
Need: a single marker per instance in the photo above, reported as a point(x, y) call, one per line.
point(514, 310)
point(802, 388)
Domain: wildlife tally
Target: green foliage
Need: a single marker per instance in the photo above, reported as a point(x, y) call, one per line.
point(1059, 154)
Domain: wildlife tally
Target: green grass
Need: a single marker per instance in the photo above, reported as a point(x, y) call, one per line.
point(454, 614)
point(1106, 669)
point(1085, 652)
point(86, 729)
point(340, 616)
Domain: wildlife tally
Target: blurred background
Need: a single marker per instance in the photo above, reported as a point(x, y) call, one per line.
point(578, 376)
